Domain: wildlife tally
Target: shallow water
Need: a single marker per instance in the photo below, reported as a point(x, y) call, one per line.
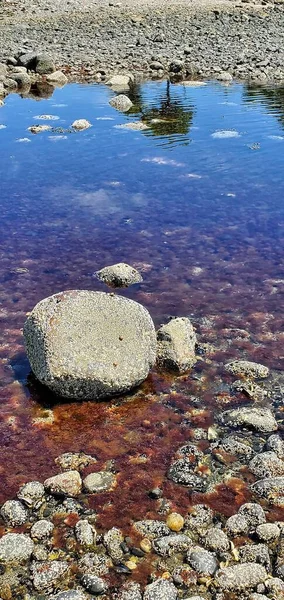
point(196, 203)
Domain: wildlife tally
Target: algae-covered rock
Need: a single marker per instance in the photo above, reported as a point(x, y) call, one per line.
point(89, 345)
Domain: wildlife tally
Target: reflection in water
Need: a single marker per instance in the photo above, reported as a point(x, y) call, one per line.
point(271, 98)
point(200, 221)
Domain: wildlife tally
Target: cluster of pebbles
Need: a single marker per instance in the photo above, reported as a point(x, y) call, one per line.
point(51, 546)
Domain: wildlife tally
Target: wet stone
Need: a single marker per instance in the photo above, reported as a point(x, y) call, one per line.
point(271, 489)
point(32, 494)
point(203, 561)
point(81, 124)
point(176, 345)
point(119, 275)
point(64, 484)
point(160, 590)
point(121, 102)
point(152, 529)
point(268, 532)
point(275, 585)
point(95, 564)
point(15, 547)
point(255, 553)
point(181, 472)
point(258, 597)
point(93, 584)
point(129, 591)
point(167, 545)
point(99, 482)
point(237, 525)
point(70, 595)
point(241, 577)
point(267, 464)
point(276, 444)
point(42, 530)
point(45, 574)
point(112, 541)
point(14, 513)
point(259, 418)
point(253, 513)
point(235, 446)
point(216, 540)
point(85, 534)
point(77, 461)
point(200, 518)
point(175, 521)
point(247, 368)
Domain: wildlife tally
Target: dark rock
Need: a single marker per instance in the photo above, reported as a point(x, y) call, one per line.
point(93, 584)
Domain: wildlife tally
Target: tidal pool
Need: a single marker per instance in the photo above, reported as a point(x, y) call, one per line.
point(195, 202)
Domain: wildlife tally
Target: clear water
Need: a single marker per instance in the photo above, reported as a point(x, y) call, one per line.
point(196, 203)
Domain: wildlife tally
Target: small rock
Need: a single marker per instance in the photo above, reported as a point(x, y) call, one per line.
point(42, 530)
point(272, 489)
point(146, 545)
point(255, 553)
point(119, 275)
point(176, 66)
point(129, 591)
point(175, 521)
point(39, 128)
point(161, 589)
point(57, 78)
point(258, 597)
point(15, 547)
point(224, 76)
point(247, 368)
point(268, 532)
point(19, 70)
point(167, 545)
point(28, 60)
point(46, 574)
point(112, 541)
point(267, 464)
point(3, 70)
point(241, 577)
point(152, 529)
point(120, 82)
point(217, 540)
point(200, 518)
point(44, 64)
point(97, 564)
point(70, 595)
point(64, 484)
point(275, 586)
point(237, 525)
point(202, 561)
point(253, 513)
point(81, 124)
point(32, 494)
point(101, 481)
point(181, 472)
point(155, 65)
point(93, 584)
point(10, 84)
point(234, 446)
point(85, 534)
point(258, 418)
point(176, 345)
point(276, 444)
point(121, 102)
point(23, 80)
point(77, 461)
point(14, 513)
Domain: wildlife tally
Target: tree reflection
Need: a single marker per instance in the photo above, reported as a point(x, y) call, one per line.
point(166, 117)
point(271, 98)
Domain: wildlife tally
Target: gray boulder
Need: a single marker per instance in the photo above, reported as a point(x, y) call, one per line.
point(176, 345)
point(89, 345)
point(119, 275)
point(268, 532)
point(161, 589)
point(3, 69)
point(44, 64)
point(217, 540)
point(120, 82)
point(121, 102)
point(253, 513)
point(257, 418)
point(15, 548)
point(112, 541)
point(202, 561)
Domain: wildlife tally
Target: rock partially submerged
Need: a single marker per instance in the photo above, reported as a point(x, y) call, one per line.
point(119, 275)
point(57, 78)
point(247, 368)
point(81, 124)
point(121, 102)
point(176, 345)
point(257, 418)
point(85, 344)
point(120, 82)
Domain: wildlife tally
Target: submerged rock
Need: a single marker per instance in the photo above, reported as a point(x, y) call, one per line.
point(276, 444)
point(167, 545)
point(85, 533)
point(119, 275)
point(94, 584)
point(120, 82)
point(81, 124)
point(253, 513)
point(39, 128)
point(89, 345)
point(182, 471)
point(70, 595)
point(64, 484)
point(42, 530)
point(267, 464)
point(176, 345)
point(258, 418)
point(32, 494)
point(129, 591)
point(203, 561)
point(152, 529)
point(15, 548)
point(247, 368)
point(121, 102)
point(74, 460)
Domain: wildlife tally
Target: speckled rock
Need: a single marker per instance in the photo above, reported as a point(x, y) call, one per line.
point(272, 489)
point(255, 553)
point(253, 513)
point(15, 548)
point(216, 540)
point(121, 102)
point(276, 444)
point(176, 345)
point(268, 532)
point(23, 79)
point(199, 518)
point(45, 574)
point(235, 446)
point(85, 533)
point(97, 564)
point(241, 577)
point(81, 124)
point(93, 584)
point(112, 541)
point(70, 595)
point(14, 513)
point(258, 418)
point(64, 484)
point(167, 545)
point(247, 368)
point(275, 585)
point(175, 521)
point(129, 591)
point(57, 78)
point(267, 464)
point(237, 525)
point(77, 461)
point(161, 589)
point(195, 598)
point(119, 275)
point(101, 481)
point(44, 64)
point(86, 344)
point(258, 597)
point(152, 529)
point(224, 76)
point(203, 561)
point(42, 530)
point(181, 471)
point(120, 82)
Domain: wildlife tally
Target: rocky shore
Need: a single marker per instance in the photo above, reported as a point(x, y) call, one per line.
point(92, 40)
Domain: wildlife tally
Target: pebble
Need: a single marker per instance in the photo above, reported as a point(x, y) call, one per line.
point(217, 540)
point(268, 532)
point(258, 418)
point(47, 573)
point(247, 368)
point(93, 584)
point(42, 530)
point(167, 545)
point(253, 513)
point(32, 494)
point(146, 545)
point(151, 528)
point(77, 461)
point(203, 561)
point(175, 521)
point(64, 484)
point(85, 533)
point(14, 513)
point(161, 589)
point(241, 577)
point(81, 124)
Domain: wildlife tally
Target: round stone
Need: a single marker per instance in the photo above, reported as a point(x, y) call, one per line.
point(88, 345)
point(42, 529)
point(15, 547)
point(14, 513)
point(175, 521)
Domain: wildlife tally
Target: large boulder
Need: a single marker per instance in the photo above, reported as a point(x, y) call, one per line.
point(90, 345)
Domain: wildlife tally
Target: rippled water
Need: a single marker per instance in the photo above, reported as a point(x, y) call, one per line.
point(196, 203)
